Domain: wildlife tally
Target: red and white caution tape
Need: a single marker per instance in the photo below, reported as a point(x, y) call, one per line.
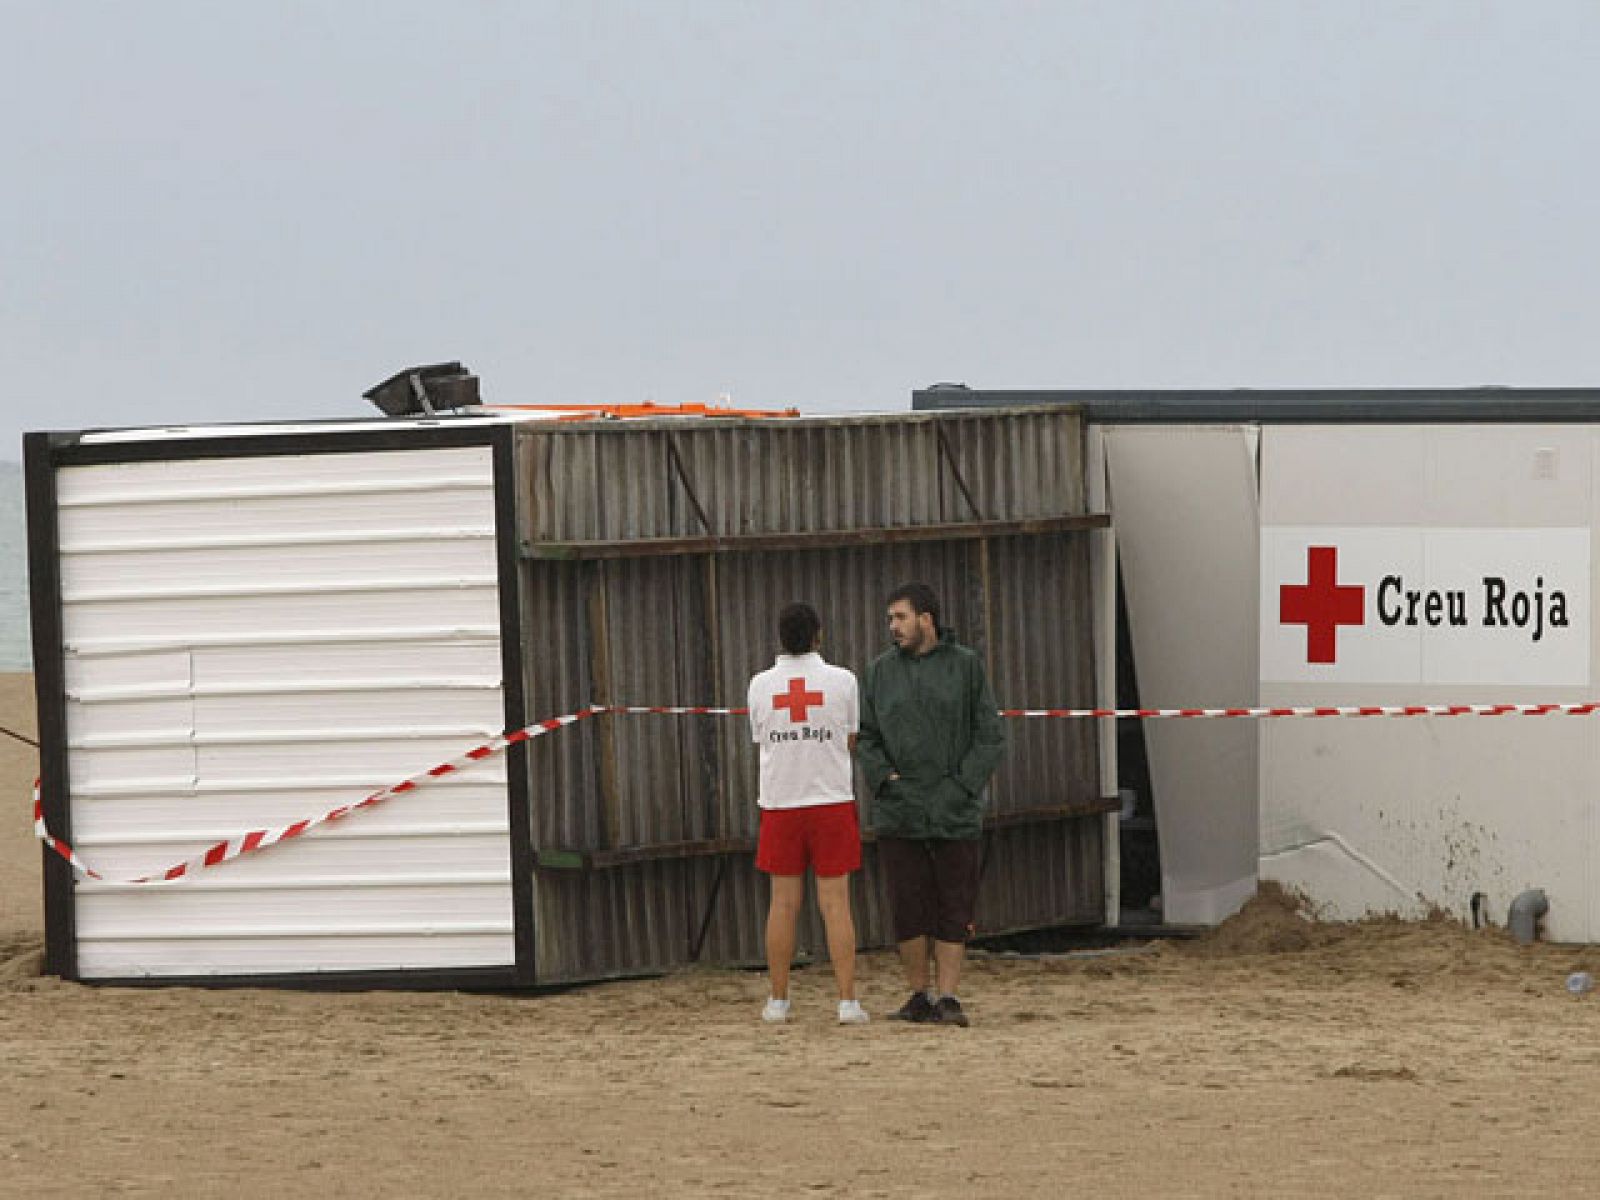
point(677, 711)
point(1149, 714)
point(260, 839)
point(1364, 710)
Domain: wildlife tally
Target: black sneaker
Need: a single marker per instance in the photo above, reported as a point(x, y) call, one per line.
point(948, 1012)
point(918, 1010)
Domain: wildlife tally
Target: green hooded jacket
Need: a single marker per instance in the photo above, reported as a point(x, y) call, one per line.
point(932, 720)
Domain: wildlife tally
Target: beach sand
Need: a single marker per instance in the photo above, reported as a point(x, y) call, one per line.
point(21, 907)
point(1273, 1058)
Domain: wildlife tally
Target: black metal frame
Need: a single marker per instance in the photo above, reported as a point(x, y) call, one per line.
point(1285, 406)
point(49, 685)
point(44, 454)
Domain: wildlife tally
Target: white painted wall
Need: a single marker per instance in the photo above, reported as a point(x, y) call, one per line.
point(253, 641)
point(1409, 814)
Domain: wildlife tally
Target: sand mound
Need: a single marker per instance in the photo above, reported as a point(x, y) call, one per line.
point(1274, 937)
point(1273, 921)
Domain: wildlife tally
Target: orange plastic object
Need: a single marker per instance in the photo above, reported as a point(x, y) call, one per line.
point(596, 412)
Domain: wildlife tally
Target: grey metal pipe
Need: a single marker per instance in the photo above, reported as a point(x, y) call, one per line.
point(1526, 910)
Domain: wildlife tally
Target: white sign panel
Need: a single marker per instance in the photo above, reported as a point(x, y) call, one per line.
point(1410, 605)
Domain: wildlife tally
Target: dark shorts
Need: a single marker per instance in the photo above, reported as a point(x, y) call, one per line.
point(933, 886)
point(824, 837)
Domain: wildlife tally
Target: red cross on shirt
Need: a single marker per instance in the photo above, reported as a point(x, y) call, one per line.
point(1321, 603)
point(796, 700)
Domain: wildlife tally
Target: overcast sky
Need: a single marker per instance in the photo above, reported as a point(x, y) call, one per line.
point(222, 212)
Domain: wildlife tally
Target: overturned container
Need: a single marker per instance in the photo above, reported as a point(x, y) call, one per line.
point(240, 629)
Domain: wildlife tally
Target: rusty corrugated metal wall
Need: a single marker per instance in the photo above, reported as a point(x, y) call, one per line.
point(639, 590)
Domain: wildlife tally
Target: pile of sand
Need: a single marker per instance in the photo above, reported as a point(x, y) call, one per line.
point(1276, 922)
point(1273, 921)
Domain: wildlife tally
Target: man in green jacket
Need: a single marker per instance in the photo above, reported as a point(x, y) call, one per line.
point(930, 739)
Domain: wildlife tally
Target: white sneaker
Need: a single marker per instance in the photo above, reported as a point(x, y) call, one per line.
point(776, 1012)
point(851, 1013)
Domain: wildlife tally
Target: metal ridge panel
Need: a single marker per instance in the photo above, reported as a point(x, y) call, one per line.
point(1304, 405)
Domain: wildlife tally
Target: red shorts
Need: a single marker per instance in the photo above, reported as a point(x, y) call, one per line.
point(824, 837)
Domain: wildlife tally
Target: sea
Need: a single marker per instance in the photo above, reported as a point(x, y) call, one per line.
point(15, 652)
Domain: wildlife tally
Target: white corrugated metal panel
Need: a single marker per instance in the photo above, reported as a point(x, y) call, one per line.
point(168, 433)
point(254, 641)
point(1185, 509)
point(1406, 815)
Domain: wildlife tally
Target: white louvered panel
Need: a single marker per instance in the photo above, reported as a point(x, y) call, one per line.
point(365, 556)
point(174, 807)
point(171, 765)
point(396, 707)
point(333, 511)
point(328, 853)
point(207, 810)
point(253, 642)
point(163, 670)
point(116, 646)
point(343, 951)
point(332, 607)
point(166, 912)
point(394, 757)
point(442, 662)
point(119, 484)
point(170, 716)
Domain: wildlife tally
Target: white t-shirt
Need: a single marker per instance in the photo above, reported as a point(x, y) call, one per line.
point(802, 713)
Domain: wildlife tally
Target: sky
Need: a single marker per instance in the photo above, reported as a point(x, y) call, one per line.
point(255, 211)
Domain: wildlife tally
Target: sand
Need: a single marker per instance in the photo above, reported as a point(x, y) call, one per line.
point(1273, 1058)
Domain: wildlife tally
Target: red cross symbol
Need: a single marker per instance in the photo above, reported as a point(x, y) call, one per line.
point(1321, 603)
point(796, 700)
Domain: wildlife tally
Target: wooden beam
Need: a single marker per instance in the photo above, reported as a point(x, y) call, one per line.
point(555, 858)
point(820, 539)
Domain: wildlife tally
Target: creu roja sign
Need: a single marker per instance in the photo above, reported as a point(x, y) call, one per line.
point(1502, 605)
point(1381, 604)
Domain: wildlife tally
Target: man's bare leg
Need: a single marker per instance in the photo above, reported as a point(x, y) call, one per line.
point(947, 960)
point(914, 960)
point(783, 914)
point(833, 898)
